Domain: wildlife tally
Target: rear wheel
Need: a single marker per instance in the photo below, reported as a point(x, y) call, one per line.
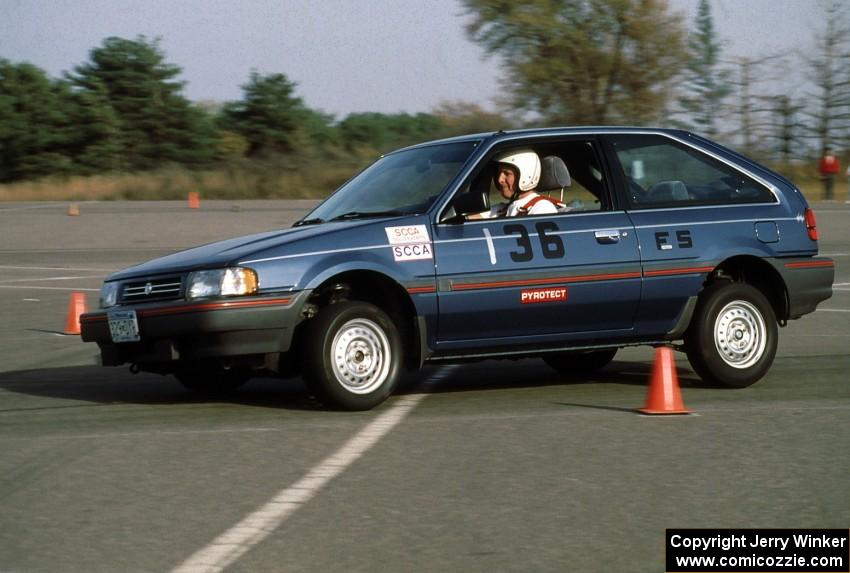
point(733, 336)
point(353, 355)
point(579, 362)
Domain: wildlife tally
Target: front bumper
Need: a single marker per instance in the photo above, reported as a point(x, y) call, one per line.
point(187, 331)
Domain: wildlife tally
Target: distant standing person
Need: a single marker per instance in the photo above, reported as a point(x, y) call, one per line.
point(828, 169)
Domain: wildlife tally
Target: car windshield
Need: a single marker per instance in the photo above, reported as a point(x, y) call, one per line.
point(401, 183)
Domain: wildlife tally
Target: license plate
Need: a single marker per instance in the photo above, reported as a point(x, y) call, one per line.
point(123, 326)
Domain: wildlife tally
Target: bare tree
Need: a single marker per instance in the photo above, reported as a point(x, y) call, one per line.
point(829, 70)
point(752, 109)
point(788, 127)
point(706, 81)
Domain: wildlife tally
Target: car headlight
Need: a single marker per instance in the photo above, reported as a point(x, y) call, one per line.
point(109, 294)
point(234, 281)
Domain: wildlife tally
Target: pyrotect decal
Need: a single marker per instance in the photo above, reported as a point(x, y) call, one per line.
point(410, 243)
point(537, 295)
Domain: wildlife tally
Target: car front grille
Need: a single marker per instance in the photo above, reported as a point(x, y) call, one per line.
point(163, 288)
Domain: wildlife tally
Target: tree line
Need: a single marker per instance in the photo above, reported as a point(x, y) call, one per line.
point(567, 62)
point(124, 111)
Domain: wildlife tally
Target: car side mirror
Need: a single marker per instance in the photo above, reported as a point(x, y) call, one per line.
point(467, 204)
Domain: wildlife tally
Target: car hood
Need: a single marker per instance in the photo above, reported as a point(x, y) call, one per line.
point(230, 251)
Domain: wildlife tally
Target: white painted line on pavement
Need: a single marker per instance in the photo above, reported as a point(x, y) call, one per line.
point(62, 205)
point(74, 269)
point(42, 279)
point(821, 335)
point(239, 539)
point(833, 310)
point(31, 287)
point(67, 437)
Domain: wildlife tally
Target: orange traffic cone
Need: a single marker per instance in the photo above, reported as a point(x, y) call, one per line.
point(76, 307)
point(193, 200)
point(663, 395)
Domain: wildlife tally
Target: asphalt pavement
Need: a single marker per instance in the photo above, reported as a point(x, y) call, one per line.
point(491, 466)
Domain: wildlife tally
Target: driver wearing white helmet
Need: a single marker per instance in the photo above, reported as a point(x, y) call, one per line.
point(517, 175)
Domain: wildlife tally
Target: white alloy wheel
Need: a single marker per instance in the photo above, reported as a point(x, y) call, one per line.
point(740, 334)
point(733, 335)
point(361, 356)
point(353, 355)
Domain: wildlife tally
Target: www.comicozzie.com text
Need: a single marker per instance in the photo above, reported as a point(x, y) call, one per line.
point(726, 542)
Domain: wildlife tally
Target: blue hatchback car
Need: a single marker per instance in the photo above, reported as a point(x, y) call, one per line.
point(646, 237)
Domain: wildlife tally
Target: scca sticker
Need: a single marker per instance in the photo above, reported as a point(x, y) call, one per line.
point(538, 295)
point(412, 252)
point(410, 243)
point(407, 235)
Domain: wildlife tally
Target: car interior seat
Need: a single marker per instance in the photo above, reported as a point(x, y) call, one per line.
point(554, 176)
point(667, 192)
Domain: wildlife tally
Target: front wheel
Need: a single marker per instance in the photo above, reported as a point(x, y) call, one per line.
point(353, 355)
point(733, 336)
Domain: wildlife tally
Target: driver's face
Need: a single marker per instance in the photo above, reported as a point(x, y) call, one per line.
point(505, 180)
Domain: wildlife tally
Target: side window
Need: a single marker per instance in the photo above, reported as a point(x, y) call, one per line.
point(663, 173)
point(570, 176)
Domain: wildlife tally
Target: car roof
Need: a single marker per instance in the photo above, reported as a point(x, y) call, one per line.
point(544, 131)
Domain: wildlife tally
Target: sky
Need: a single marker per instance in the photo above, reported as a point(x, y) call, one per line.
point(345, 56)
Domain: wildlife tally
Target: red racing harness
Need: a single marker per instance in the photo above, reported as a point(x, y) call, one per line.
point(523, 211)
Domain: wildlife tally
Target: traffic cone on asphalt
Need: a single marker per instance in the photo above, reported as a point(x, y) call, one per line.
point(193, 200)
point(663, 395)
point(76, 307)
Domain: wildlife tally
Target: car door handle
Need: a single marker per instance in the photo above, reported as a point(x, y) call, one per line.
point(607, 236)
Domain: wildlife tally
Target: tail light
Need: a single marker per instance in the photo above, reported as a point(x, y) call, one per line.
point(811, 225)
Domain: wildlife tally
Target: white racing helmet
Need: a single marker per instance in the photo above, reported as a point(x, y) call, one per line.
point(527, 163)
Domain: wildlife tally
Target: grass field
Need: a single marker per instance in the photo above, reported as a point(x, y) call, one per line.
point(242, 182)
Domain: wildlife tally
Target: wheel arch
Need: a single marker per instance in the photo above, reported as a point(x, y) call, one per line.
point(383, 291)
point(760, 274)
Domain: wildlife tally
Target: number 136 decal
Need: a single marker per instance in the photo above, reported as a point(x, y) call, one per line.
point(551, 245)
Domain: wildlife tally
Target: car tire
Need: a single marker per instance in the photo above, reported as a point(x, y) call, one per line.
point(733, 336)
point(353, 355)
point(580, 362)
point(210, 380)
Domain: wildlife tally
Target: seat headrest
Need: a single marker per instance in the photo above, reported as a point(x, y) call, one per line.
point(664, 191)
point(554, 174)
